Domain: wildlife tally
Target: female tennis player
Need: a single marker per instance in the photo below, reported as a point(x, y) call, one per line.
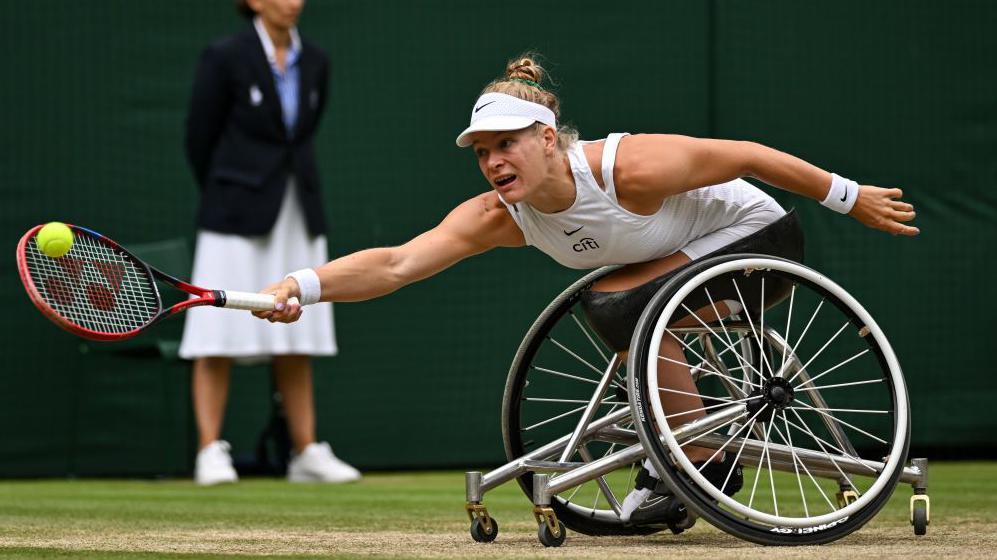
point(651, 202)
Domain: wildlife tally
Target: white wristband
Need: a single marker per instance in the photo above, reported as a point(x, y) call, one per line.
point(842, 195)
point(308, 284)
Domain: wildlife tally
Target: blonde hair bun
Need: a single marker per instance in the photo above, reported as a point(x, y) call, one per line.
point(524, 68)
point(522, 79)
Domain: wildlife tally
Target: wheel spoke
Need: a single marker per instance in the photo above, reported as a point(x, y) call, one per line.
point(575, 377)
point(710, 371)
point(573, 492)
point(768, 459)
point(828, 455)
point(626, 481)
point(588, 336)
point(747, 425)
point(758, 469)
point(750, 426)
point(796, 460)
point(558, 417)
point(806, 329)
point(730, 343)
point(729, 346)
point(838, 420)
point(602, 485)
point(753, 331)
point(789, 320)
point(761, 330)
point(818, 408)
point(726, 400)
point(703, 408)
point(822, 387)
point(827, 371)
point(796, 468)
point(567, 375)
point(725, 424)
point(576, 356)
point(814, 357)
point(823, 441)
point(689, 348)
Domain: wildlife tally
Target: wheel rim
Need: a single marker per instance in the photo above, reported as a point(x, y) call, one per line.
point(790, 418)
point(552, 378)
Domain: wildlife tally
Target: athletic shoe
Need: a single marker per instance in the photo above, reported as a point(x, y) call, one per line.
point(214, 465)
point(652, 503)
point(318, 464)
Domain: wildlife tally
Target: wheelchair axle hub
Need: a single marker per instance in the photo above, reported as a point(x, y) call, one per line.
point(775, 394)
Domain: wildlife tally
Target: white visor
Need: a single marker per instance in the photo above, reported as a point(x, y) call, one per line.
point(498, 111)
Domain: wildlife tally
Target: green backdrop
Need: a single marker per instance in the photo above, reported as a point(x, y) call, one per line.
point(893, 93)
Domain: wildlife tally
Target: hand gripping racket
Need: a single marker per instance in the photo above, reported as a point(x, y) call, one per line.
point(100, 291)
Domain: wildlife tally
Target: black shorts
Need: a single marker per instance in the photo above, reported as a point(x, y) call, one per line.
point(614, 315)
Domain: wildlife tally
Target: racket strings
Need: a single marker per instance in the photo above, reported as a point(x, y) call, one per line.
point(95, 286)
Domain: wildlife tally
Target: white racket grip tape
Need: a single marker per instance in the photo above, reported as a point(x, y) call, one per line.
point(251, 301)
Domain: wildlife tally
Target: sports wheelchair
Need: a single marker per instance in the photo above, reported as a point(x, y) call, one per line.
point(804, 389)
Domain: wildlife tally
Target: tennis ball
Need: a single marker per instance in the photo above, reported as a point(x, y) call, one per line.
point(55, 239)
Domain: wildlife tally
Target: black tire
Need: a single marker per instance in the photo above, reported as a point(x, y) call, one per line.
point(548, 539)
point(920, 521)
point(481, 533)
point(580, 518)
point(691, 493)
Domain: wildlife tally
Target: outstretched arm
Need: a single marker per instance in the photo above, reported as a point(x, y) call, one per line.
point(475, 226)
point(660, 165)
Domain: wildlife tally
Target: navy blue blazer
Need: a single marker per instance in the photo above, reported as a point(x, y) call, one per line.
point(236, 141)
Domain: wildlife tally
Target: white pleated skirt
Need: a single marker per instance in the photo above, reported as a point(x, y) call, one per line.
point(234, 262)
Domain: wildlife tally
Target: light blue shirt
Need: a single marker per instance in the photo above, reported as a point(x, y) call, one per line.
point(287, 83)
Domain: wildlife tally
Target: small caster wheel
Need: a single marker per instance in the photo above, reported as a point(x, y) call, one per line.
point(547, 537)
point(482, 531)
point(920, 506)
point(920, 521)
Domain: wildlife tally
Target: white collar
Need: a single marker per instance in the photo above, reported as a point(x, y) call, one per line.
point(268, 47)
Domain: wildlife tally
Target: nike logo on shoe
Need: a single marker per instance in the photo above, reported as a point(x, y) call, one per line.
point(651, 501)
point(572, 231)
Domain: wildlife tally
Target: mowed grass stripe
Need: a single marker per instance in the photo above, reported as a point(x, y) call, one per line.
point(406, 515)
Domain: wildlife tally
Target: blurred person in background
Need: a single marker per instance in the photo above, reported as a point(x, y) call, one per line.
point(256, 102)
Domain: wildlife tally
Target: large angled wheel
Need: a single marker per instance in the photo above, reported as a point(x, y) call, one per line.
point(802, 388)
point(553, 376)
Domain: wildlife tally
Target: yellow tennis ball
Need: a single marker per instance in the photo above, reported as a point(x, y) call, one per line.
point(55, 239)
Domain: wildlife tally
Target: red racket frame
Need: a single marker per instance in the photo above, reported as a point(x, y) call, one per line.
point(204, 296)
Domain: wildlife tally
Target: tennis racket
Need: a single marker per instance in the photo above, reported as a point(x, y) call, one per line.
point(100, 291)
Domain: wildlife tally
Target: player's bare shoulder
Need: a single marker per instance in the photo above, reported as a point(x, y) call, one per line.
point(647, 170)
point(487, 221)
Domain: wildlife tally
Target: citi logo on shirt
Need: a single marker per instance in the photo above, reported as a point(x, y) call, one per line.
point(584, 244)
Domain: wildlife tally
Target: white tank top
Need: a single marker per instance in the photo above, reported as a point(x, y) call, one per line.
point(596, 231)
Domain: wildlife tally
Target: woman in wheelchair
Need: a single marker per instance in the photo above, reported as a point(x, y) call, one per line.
point(650, 202)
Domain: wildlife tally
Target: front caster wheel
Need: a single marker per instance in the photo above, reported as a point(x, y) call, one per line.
point(920, 522)
point(919, 513)
point(484, 529)
point(548, 538)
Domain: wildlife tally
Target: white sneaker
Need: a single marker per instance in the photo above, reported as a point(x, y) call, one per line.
point(318, 464)
point(214, 465)
point(633, 501)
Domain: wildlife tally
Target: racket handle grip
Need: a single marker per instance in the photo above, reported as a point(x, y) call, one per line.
point(251, 301)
